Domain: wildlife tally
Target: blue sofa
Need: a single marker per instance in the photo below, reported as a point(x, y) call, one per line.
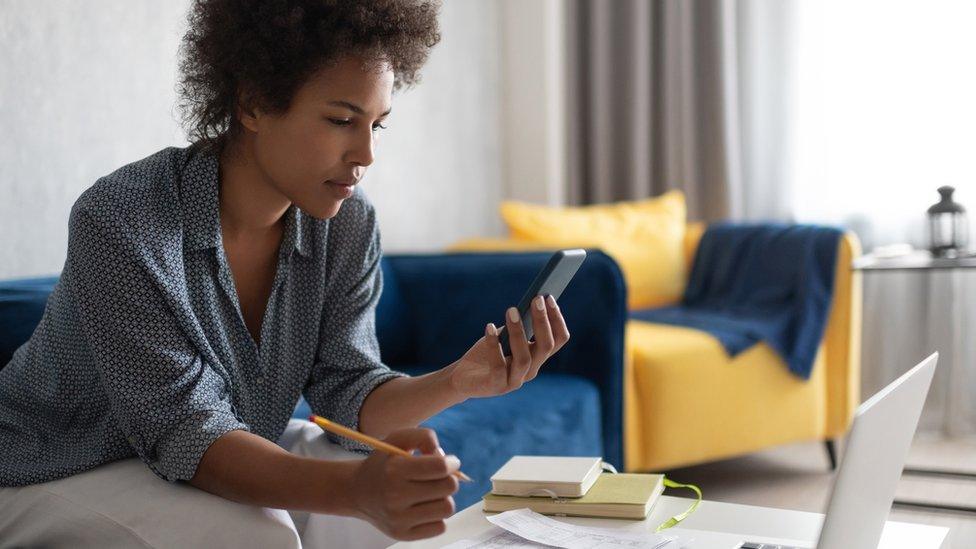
point(432, 309)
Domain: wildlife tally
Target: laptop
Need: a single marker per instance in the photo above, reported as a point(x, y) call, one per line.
point(873, 458)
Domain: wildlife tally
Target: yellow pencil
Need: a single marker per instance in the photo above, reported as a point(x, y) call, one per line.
point(368, 440)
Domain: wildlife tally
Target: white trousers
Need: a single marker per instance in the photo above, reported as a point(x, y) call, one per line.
point(123, 504)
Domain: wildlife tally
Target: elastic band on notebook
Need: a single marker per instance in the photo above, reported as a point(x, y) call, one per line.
point(673, 521)
point(608, 468)
point(541, 492)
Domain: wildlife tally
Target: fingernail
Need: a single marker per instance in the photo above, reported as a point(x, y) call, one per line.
point(492, 330)
point(513, 314)
point(441, 451)
point(453, 462)
point(552, 302)
point(539, 303)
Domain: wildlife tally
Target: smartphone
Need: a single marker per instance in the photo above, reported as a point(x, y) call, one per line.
point(551, 280)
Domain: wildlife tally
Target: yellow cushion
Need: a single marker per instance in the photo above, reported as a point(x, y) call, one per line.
point(645, 237)
point(488, 244)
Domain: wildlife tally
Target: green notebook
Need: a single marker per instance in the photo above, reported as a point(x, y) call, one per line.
point(624, 495)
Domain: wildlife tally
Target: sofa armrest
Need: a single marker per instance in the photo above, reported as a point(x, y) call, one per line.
point(842, 341)
point(447, 299)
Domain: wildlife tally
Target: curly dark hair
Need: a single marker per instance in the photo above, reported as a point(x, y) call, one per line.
point(264, 50)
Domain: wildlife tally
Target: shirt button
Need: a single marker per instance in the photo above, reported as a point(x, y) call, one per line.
point(259, 379)
point(136, 442)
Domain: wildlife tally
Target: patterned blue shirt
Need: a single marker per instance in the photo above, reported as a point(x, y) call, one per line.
point(143, 351)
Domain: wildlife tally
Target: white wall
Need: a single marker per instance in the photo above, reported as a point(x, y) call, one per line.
point(86, 87)
point(438, 171)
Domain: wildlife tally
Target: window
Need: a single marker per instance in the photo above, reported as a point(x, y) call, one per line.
point(886, 113)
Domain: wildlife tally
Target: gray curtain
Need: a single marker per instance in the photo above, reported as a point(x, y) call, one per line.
point(657, 101)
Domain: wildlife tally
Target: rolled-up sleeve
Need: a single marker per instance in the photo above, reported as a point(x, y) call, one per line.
point(348, 365)
point(168, 402)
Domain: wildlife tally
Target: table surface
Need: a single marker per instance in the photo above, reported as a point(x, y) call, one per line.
point(793, 527)
point(916, 260)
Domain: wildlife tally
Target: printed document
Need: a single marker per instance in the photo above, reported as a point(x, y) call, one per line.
point(526, 528)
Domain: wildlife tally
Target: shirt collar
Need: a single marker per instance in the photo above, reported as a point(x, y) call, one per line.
point(295, 238)
point(200, 207)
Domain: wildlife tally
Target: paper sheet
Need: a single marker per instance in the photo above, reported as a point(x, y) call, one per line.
point(528, 525)
point(496, 538)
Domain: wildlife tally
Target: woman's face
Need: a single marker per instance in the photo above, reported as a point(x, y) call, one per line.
point(317, 151)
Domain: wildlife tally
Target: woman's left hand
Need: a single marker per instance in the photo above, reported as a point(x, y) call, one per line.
point(484, 371)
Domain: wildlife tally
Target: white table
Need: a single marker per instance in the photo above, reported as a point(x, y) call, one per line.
point(756, 523)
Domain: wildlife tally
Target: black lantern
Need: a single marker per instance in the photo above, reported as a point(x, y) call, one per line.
point(948, 226)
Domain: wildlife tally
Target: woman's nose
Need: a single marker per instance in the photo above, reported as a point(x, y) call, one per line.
point(361, 149)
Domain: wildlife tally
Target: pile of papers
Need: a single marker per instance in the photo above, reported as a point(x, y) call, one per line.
point(526, 528)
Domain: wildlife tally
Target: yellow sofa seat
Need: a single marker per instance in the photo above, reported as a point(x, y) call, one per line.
point(687, 401)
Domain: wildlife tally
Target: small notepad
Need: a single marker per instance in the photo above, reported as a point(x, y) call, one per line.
point(546, 476)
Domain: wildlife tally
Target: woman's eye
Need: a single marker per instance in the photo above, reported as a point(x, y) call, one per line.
point(347, 122)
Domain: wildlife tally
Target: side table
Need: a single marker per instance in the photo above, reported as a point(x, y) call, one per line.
point(920, 262)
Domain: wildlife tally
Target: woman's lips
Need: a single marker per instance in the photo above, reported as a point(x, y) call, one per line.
point(342, 188)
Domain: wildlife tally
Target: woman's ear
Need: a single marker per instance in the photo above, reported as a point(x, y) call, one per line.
point(247, 111)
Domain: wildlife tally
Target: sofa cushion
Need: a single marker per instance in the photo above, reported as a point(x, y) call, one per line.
point(553, 415)
point(646, 237)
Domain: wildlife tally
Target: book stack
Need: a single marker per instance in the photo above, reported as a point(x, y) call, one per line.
point(571, 486)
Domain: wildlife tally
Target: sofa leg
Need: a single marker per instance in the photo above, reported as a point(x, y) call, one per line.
point(831, 453)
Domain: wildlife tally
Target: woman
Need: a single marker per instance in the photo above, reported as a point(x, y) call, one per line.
point(206, 288)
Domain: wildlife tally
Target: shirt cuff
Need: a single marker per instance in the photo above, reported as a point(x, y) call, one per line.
point(179, 453)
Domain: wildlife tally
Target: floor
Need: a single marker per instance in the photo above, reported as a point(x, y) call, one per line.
point(798, 477)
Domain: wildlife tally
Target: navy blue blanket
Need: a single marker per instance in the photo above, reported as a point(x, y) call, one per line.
point(760, 282)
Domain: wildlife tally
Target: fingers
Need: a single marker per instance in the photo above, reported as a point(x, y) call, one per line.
point(544, 344)
point(417, 502)
point(423, 520)
point(430, 490)
point(407, 497)
point(521, 355)
point(560, 332)
point(430, 511)
point(425, 531)
point(424, 440)
point(419, 468)
point(495, 356)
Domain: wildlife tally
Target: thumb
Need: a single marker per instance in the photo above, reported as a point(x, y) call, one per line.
point(424, 440)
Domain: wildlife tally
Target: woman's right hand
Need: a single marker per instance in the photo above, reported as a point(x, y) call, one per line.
point(407, 498)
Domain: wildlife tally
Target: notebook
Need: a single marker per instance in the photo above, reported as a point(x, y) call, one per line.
point(624, 495)
point(565, 477)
